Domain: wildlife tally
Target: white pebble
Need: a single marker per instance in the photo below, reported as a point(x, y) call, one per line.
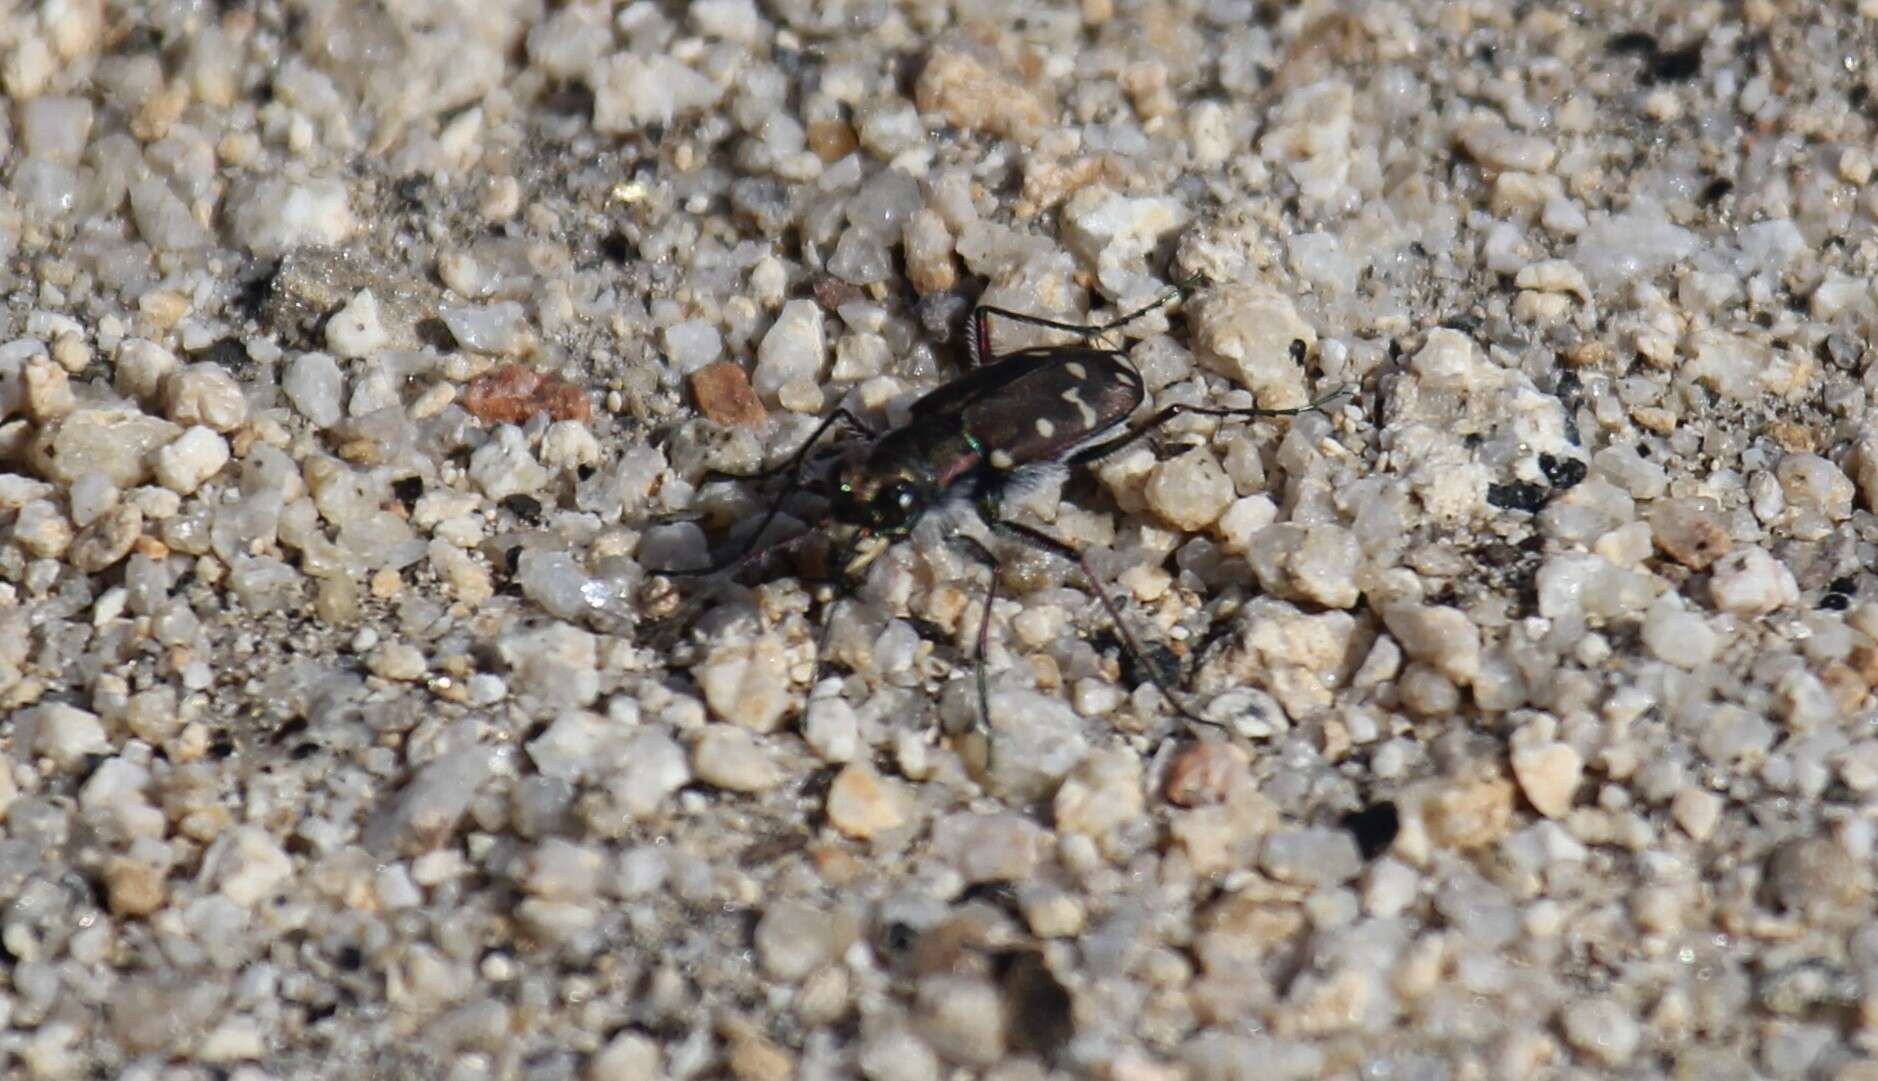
point(794, 349)
point(1680, 637)
point(1750, 582)
point(355, 330)
point(251, 866)
point(67, 734)
point(314, 384)
point(1601, 1030)
point(194, 457)
point(731, 758)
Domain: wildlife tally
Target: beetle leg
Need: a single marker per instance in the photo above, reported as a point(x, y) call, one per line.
point(1108, 447)
point(1039, 539)
point(979, 344)
point(975, 548)
point(795, 460)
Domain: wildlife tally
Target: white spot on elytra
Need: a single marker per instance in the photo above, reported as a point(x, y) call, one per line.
point(1001, 460)
point(1074, 397)
point(1045, 428)
point(1076, 370)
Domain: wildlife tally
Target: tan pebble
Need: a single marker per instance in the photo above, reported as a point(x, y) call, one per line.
point(966, 82)
point(1470, 814)
point(722, 391)
point(1697, 811)
point(754, 1058)
point(1548, 774)
point(133, 887)
point(1204, 773)
point(862, 805)
point(832, 140)
point(386, 583)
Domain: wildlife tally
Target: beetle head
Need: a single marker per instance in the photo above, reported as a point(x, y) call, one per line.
point(882, 503)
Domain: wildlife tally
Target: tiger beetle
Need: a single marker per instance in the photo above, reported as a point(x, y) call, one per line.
point(970, 441)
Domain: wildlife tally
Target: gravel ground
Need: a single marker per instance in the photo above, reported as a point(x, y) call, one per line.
point(364, 364)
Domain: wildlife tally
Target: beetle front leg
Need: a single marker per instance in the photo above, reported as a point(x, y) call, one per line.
point(794, 463)
point(793, 467)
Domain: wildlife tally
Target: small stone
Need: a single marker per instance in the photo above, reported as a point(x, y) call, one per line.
point(66, 734)
point(1313, 856)
point(754, 1057)
point(107, 539)
point(1205, 773)
point(206, 395)
point(1682, 638)
point(1101, 793)
point(315, 387)
point(1634, 245)
point(655, 768)
point(928, 244)
point(134, 887)
point(1601, 1030)
point(1696, 811)
point(1191, 491)
point(1053, 913)
point(251, 866)
point(1750, 582)
point(1690, 531)
point(632, 92)
point(1497, 147)
point(355, 331)
point(691, 345)
point(895, 1054)
point(1440, 636)
point(794, 348)
point(862, 804)
point(503, 466)
point(562, 871)
point(1114, 232)
point(724, 395)
point(114, 441)
point(399, 661)
point(1813, 877)
point(1389, 888)
point(967, 84)
point(191, 459)
point(1315, 563)
point(831, 729)
point(1000, 847)
point(962, 1016)
point(627, 1057)
point(274, 216)
point(512, 393)
point(733, 759)
point(747, 683)
point(498, 329)
point(794, 939)
point(1245, 332)
point(90, 497)
point(1470, 814)
point(41, 531)
point(1813, 483)
point(48, 390)
point(1548, 773)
